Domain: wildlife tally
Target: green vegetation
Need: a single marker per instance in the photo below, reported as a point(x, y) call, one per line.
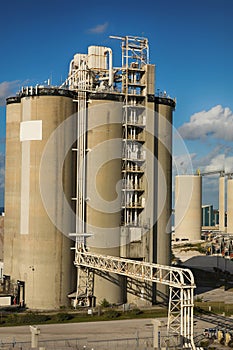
point(61, 317)
point(23, 319)
point(104, 303)
point(205, 343)
point(217, 307)
point(199, 247)
point(112, 314)
point(29, 317)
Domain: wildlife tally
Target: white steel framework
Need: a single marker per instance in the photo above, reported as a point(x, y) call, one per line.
point(180, 282)
point(83, 77)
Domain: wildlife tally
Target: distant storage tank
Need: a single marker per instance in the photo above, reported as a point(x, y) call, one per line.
point(188, 197)
point(35, 251)
point(221, 203)
point(230, 206)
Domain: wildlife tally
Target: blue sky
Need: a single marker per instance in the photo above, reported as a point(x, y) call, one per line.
point(190, 43)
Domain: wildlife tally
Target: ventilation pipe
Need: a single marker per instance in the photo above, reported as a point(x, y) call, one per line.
point(71, 67)
point(109, 51)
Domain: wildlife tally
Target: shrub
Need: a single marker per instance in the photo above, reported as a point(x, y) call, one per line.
point(33, 318)
point(135, 311)
point(61, 317)
point(198, 299)
point(111, 314)
point(28, 318)
point(104, 303)
point(205, 343)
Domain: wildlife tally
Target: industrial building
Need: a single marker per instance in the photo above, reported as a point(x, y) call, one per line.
point(88, 161)
point(208, 215)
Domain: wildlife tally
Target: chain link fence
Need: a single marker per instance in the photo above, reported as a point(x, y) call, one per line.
point(133, 343)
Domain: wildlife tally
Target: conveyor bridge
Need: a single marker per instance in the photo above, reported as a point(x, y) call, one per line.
point(180, 282)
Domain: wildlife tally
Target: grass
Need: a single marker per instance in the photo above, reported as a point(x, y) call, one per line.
point(217, 307)
point(28, 317)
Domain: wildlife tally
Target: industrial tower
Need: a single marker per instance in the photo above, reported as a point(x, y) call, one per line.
point(90, 161)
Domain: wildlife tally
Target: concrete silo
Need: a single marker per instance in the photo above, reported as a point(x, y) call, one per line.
point(164, 109)
point(230, 206)
point(103, 178)
point(36, 254)
point(188, 199)
point(117, 179)
point(163, 184)
point(222, 203)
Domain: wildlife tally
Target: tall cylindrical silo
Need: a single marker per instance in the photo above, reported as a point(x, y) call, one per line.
point(36, 252)
point(188, 199)
point(222, 203)
point(230, 206)
point(164, 109)
point(103, 186)
point(163, 185)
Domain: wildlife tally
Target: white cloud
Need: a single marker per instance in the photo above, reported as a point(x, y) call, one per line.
point(216, 161)
point(100, 28)
point(7, 88)
point(216, 122)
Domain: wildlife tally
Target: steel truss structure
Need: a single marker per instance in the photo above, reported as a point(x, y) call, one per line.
point(85, 76)
point(180, 282)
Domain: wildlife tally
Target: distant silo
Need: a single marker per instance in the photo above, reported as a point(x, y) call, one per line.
point(222, 203)
point(188, 197)
point(36, 253)
point(230, 206)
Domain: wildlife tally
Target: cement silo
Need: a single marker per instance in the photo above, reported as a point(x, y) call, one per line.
point(117, 180)
point(222, 203)
point(188, 199)
point(103, 177)
point(164, 112)
point(36, 253)
point(230, 206)
point(163, 184)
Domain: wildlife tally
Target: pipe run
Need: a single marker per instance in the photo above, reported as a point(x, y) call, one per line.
point(109, 51)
